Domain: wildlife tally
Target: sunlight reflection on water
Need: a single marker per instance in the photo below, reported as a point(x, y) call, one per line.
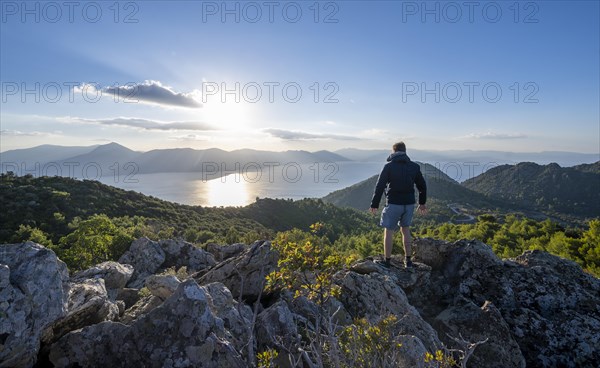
point(230, 190)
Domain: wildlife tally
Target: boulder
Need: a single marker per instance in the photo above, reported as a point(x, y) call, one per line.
point(244, 275)
point(142, 307)
point(114, 274)
point(86, 293)
point(431, 252)
point(121, 306)
point(237, 317)
point(34, 292)
point(407, 278)
point(375, 296)
point(162, 286)
point(182, 332)
point(412, 352)
point(476, 324)
point(276, 328)
point(146, 257)
point(309, 311)
point(365, 267)
point(456, 260)
point(226, 251)
point(179, 253)
point(129, 296)
point(88, 304)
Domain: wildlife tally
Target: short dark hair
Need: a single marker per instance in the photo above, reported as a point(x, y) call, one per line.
point(400, 146)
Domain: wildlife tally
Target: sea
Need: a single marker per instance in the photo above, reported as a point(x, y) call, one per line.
point(242, 186)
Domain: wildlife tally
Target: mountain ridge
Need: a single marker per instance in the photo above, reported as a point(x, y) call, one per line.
point(570, 194)
point(548, 188)
point(153, 161)
point(478, 157)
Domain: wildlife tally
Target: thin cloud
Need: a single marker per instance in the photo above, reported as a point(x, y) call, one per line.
point(376, 133)
point(149, 91)
point(190, 138)
point(145, 124)
point(293, 135)
point(492, 135)
point(18, 133)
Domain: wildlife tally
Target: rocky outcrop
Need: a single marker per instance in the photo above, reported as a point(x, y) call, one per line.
point(483, 323)
point(555, 309)
point(182, 332)
point(547, 304)
point(535, 310)
point(148, 257)
point(244, 275)
point(33, 293)
point(375, 296)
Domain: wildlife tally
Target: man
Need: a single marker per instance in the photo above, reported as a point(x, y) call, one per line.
point(399, 176)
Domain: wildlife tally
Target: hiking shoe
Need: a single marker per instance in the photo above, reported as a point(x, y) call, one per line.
point(408, 263)
point(383, 263)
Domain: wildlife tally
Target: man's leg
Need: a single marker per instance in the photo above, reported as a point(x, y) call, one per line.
point(406, 241)
point(388, 242)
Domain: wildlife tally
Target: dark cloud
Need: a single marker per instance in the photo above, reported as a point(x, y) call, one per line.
point(153, 92)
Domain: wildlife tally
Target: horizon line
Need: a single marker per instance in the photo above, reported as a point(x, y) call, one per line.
point(301, 150)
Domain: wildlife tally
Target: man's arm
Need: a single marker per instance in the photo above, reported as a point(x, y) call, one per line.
point(421, 187)
point(379, 187)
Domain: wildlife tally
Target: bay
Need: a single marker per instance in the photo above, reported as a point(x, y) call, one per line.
point(242, 187)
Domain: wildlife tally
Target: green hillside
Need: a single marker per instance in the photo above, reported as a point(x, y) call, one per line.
point(568, 193)
point(441, 191)
point(53, 204)
point(591, 168)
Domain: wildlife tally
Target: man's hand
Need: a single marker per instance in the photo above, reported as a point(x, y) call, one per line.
point(422, 209)
point(373, 211)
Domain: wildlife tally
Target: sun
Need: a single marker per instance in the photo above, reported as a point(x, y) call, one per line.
point(229, 115)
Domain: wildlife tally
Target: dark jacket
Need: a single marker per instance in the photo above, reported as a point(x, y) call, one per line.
point(399, 176)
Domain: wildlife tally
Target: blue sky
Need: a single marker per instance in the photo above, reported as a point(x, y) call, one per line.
point(501, 75)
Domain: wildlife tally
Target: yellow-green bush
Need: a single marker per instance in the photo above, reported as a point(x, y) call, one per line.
point(363, 344)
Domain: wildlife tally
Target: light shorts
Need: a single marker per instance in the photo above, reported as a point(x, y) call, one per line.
point(397, 214)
